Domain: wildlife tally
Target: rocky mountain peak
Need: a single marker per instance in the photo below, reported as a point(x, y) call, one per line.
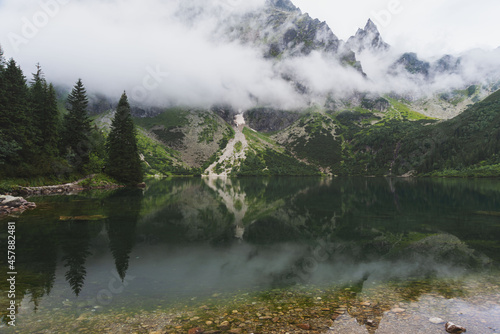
point(285, 5)
point(368, 38)
point(412, 64)
point(447, 64)
point(370, 26)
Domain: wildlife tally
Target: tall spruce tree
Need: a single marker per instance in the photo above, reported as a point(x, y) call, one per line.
point(123, 162)
point(2, 60)
point(76, 127)
point(4, 149)
point(14, 123)
point(50, 122)
point(37, 100)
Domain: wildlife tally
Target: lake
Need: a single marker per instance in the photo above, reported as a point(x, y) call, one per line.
point(260, 255)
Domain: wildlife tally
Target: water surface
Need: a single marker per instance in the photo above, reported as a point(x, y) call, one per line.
point(348, 249)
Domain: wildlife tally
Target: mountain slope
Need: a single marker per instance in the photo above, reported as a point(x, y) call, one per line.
point(196, 134)
point(395, 141)
point(467, 141)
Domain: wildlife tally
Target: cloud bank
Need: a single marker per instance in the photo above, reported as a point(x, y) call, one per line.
point(177, 52)
point(159, 51)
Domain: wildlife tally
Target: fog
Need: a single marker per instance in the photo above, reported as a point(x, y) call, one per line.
point(428, 27)
point(179, 52)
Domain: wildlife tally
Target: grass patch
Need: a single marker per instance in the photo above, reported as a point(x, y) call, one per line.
point(172, 117)
point(210, 127)
point(402, 111)
point(486, 171)
point(158, 158)
point(272, 163)
point(260, 140)
point(238, 146)
point(98, 181)
point(11, 184)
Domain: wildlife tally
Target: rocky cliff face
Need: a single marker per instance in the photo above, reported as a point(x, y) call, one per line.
point(285, 5)
point(447, 64)
point(270, 120)
point(282, 31)
point(412, 64)
point(367, 39)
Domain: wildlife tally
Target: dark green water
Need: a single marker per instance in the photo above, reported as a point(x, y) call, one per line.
point(188, 239)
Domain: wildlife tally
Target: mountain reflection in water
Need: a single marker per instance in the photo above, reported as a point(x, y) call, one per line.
point(185, 238)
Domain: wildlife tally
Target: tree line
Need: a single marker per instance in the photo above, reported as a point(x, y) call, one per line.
point(43, 137)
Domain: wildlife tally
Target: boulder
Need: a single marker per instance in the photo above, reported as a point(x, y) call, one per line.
point(13, 201)
point(454, 329)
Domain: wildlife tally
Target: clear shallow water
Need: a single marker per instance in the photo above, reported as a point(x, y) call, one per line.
point(186, 243)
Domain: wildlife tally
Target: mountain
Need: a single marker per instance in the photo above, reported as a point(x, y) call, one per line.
point(398, 114)
point(357, 132)
point(447, 64)
point(297, 61)
point(412, 64)
point(367, 39)
point(397, 141)
point(467, 145)
point(283, 31)
point(285, 5)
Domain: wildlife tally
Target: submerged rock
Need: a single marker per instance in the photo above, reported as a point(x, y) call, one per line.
point(224, 325)
point(398, 310)
point(306, 327)
point(371, 323)
point(452, 328)
point(436, 320)
point(196, 330)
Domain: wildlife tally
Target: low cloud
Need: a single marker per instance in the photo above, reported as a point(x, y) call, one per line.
point(115, 45)
point(177, 52)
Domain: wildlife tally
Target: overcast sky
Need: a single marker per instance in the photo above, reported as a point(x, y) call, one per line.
point(429, 27)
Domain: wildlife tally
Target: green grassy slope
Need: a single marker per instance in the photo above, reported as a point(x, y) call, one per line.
point(265, 157)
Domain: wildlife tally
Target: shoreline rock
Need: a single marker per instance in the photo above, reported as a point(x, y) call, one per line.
point(11, 204)
point(63, 189)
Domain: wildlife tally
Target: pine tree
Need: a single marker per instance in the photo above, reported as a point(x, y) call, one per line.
point(5, 149)
point(50, 122)
point(14, 123)
point(123, 162)
point(37, 100)
point(2, 59)
point(77, 126)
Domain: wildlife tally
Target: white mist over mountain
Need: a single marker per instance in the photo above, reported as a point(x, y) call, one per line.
point(188, 52)
point(428, 27)
point(161, 51)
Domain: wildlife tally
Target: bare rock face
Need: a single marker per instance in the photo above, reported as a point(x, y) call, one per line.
point(269, 120)
point(368, 38)
point(452, 328)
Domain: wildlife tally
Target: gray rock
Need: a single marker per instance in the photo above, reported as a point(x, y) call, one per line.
point(436, 320)
point(13, 201)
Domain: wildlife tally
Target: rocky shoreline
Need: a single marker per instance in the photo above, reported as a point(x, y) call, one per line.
point(11, 204)
point(48, 190)
point(15, 203)
point(297, 310)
